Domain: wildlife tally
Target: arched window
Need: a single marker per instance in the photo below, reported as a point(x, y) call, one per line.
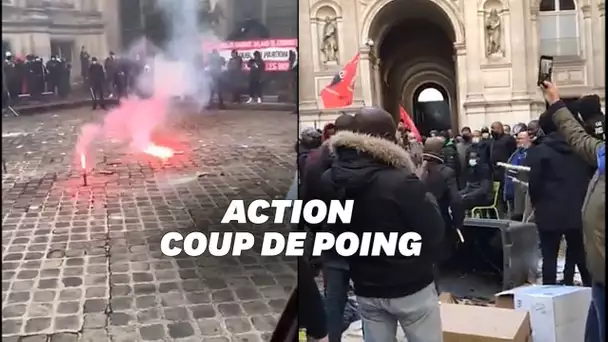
point(559, 34)
point(430, 95)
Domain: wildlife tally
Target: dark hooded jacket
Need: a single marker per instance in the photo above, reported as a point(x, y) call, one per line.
point(380, 176)
point(484, 148)
point(502, 147)
point(303, 153)
point(317, 162)
point(478, 179)
point(558, 182)
point(441, 181)
point(593, 152)
point(310, 140)
point(451, 158)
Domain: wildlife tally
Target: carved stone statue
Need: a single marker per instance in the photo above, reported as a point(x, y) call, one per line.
point(493, 34)
point(329, 43)
point(211, 15)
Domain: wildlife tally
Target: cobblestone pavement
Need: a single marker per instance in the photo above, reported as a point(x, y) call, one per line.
point(83, 263)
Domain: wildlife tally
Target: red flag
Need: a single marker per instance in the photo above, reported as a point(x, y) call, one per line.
point(339, 93)
point(409, 123)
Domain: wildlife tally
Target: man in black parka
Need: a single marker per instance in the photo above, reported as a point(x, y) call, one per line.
point(558, 182)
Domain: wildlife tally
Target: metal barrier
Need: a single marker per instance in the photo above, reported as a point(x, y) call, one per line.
point(517, 170)
point(510, 247)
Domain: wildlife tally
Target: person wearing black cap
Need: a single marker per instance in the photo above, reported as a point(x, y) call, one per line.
point(557, 184)
point(310, 140)
point(442, 182)
point(593, 152)
point(110, 65)
point(234, 74)
point(85, 62)
point(590, 112)
point(97, 79)
point(484, 146)
point(477, 190)
point(370, 168)
point(257, 67)
point(335, 268)
point(450, 157)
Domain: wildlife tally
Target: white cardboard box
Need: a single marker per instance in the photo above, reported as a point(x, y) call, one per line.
point(557, 313)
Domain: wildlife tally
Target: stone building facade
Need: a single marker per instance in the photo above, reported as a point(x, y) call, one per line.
point(60, 27)
point(483, 55)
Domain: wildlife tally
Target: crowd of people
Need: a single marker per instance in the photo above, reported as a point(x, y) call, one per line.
point(401, 184)
point(118, 77)
point(114, 77)
point(32, 76)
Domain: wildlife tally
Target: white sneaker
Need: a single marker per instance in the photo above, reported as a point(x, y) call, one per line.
point(249, 100)
point(259, 100)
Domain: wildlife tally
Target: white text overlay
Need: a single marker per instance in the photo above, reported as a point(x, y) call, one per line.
point(291, 244)
point(288, 211)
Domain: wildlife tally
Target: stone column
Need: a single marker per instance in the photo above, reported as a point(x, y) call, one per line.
point(111, 18)
point(377, 88)
point(534, 56)
point(599, 55)
point(474, 55)
point(365, 73)
point(518, 51)
point(263, 14)
point(307, 97)
point(588, 45)
point(461, 81)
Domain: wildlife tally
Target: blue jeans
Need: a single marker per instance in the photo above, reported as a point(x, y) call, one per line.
point(337, 279)
point(595, 330)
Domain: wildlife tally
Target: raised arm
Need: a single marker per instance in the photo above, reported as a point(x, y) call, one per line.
point(584, 144)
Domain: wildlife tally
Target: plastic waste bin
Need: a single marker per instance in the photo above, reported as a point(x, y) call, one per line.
point(519, 244)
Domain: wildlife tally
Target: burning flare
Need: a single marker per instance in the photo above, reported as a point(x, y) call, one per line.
point(159, 151)
point(83, 161)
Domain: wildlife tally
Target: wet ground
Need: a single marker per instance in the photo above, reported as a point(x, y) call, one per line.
point(82, 263)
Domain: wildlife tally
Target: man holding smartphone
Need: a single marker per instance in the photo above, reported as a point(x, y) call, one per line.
point(593, 151)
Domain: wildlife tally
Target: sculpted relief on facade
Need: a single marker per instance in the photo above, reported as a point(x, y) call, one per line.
point(494, 36)
point(211, 14)
point(494, 78)
point(329, 41)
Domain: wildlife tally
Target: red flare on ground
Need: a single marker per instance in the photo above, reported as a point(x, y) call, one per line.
point(159, 151)
point(83, 161)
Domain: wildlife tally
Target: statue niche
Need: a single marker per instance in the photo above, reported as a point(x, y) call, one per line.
point(326, 24)
point(211, 15)
point(493, 34)
point(329, 41)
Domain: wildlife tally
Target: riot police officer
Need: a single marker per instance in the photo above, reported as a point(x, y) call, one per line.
point(11, 83)
point(65, 69)
point(121, 78)
point(53, 77)
point(216, 64)
point(97, 79)
point(111, 70)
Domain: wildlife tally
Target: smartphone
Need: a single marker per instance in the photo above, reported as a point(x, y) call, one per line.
point(545, 69)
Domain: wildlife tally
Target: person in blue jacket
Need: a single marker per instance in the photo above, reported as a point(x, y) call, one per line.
point(514, 193)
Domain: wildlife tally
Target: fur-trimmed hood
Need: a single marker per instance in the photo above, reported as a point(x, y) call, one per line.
point(379, 149)
point(360, 161)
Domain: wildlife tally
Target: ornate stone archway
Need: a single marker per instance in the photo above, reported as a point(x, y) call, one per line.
point(448, 8)
point(377, 22)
